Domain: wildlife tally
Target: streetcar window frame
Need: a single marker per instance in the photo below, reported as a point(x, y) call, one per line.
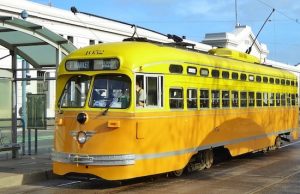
point(174, 68)
point(258, 78)
point(251, 99)
point(225, 98)
point(179, 101)
point(293, 83)
point(243, 99)
point(235, 99)
point(123, 99)
point(204, 98)
point(243, 76)
point(288, 99)
point(225, 74)
point(265, 79)
point(235, 75)
point(68, 85)
point(258, 99)
point(215, 73)
point(293, 99)
point(265, 99)
point(204, 72)
point(215, 98)
point(191, 70)
point(192, 101)
point(278, 99)
point(272, 99)
point(251, 78)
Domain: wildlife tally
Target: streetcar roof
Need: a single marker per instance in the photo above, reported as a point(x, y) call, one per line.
point(133, 55)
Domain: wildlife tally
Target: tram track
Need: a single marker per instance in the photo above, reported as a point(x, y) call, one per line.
point(119, 186)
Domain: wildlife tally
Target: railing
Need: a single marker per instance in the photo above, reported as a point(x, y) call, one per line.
point(13, 145)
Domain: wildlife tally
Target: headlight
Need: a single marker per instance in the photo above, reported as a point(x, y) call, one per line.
point(81, 137)
point(81, 118)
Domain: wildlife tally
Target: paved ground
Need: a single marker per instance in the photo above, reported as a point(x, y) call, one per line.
point(273, 172)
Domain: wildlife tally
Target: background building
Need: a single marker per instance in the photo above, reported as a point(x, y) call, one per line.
point(83, 30)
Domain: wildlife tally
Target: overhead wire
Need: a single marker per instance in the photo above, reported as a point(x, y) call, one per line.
point(280, 12)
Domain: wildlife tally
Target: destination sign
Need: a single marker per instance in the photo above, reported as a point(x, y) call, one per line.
point(92, 65)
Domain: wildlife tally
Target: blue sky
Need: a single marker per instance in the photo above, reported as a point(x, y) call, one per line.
point(194, 18)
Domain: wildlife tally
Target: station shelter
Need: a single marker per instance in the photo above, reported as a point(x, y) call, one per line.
point(32, 44)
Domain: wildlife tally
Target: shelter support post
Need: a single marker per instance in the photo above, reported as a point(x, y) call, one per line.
point(14, 104)
point(24, 106)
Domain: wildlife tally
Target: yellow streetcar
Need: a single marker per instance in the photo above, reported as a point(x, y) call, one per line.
point(133, 109)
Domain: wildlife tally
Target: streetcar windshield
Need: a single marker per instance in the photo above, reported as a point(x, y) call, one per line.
point(111, 91)
point(75, 92)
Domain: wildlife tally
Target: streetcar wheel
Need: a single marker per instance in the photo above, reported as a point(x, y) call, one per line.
point(177, 173)
point(208, 158)
point(277, 142)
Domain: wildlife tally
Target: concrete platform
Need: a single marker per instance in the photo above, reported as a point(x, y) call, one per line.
point(25, 170)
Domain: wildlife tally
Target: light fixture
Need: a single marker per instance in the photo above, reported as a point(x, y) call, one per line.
point(81, 137)
point(24, 14)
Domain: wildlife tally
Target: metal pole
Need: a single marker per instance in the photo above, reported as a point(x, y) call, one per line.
point(14, 105)
point(24, 105)
point(29, 141)
point(35, 141)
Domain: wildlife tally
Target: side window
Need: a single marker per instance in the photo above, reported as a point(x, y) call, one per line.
point(234, 99)
point(288, 99)
point(149, 91)
point(215, 73)
point(176, 98)
point(251, 78)
point(266, 99)
point(277, 99)
point(204, 98)
point(296, 100)
point(265, 79)
point(271, 80)
point(282, 99)
point(235, 75)
point(272, 99)
point(258, 99)
point(243, 99)
point(215, 99)
point(204, 72)
point(258, 78)
point(153, 91)
point(192, 70)
point(225, 74)
point(251, 99)
point(175, 69)
point(225, 99)
point(243, 77)
point(282, 82)
point(192, 98)
point(277, 81)
point(293, 100)
point(288, 82)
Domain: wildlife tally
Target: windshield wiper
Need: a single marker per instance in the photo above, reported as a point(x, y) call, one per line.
point(108, 105)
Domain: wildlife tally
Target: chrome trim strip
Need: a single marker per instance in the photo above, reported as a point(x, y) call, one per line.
point(103, 160)
point(129, 159)
point(196, 149)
